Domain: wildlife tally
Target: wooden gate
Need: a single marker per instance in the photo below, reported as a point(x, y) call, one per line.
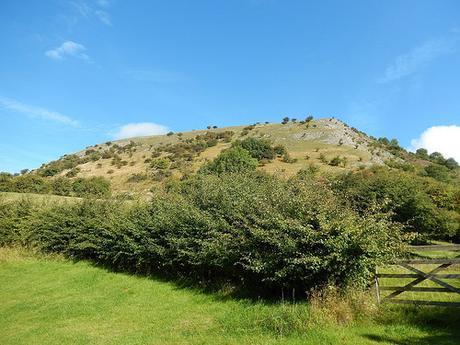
point(419, 276)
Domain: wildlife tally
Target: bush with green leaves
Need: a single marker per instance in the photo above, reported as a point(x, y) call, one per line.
point(254, 231)
point(93, 186)
point(423, 206)
point(257, 147)
point(232, 160)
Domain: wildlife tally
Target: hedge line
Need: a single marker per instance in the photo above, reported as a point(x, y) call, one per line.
point(255, 232)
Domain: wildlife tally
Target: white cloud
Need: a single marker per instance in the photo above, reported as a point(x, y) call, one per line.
point(409, 63)
point(140, 130)
point(444, 139)
point(66, 49)
point(36, 112)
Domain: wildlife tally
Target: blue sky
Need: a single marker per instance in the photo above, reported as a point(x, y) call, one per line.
point(76, 73)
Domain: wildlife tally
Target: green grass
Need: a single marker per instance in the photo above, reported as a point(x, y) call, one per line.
point(46, 300)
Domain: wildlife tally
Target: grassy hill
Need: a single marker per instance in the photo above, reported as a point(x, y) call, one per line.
point(128, 163)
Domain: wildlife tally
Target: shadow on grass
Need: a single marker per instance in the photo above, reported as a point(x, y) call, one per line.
point(442, 325)
point(218, 289)
point(428, 340)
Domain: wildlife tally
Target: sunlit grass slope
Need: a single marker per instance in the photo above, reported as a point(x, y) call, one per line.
point(54, 301)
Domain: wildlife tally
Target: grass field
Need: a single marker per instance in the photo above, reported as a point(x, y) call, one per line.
point(46, 300)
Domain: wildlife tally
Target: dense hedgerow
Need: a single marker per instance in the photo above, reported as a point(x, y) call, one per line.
point(427, 208)
point(256, 232)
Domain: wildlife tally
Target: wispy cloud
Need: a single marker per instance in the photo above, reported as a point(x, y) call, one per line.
point(98, 10)
point(139, 130)
point(36, 112)
point(444, 139)
point(419, 57)
point(103, 17)
point(68, 49)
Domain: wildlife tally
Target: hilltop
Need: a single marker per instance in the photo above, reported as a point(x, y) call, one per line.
point(327, 143)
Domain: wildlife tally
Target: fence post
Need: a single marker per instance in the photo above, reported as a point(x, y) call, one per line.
point(377, 288)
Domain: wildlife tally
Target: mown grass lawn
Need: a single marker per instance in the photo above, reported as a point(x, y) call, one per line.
point(55, 301)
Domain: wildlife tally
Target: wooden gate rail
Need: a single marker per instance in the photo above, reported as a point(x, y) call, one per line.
point(420, 276)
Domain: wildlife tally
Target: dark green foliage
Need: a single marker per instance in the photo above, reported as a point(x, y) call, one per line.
point(422, 153)
point(64, 163)
point(336, 161)
point(30, 183)
point(61, 186)
point(255, 232)
point(423, 206)
point(92, 186)
point(73, 172)
point(5, 182)
point(437, 157)
point(160, 163)
point(285, 120)
point(233, 160)
point(438, 172)
point(451, 163)
point(258, 148)
point(280, 150)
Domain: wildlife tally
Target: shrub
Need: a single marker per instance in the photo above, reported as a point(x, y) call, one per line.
point(280, 150)
point(257, 148)
point(6, 182)
point(73, 172)
point(30, 183)
point(61, 186)
point(160, 163)
point(438, 172)
point(232, 160)
point(422, 205)
point(93, 186)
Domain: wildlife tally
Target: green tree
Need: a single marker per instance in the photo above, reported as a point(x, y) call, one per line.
point(233, 160)
point(258, 148)
point(422, 153)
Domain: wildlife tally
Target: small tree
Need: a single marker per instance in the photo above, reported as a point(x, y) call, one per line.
point(451, 163)
point(285, 120)
point(422, 153)
point(233, 160)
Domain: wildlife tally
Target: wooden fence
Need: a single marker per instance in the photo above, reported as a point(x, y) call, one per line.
point(419, 276)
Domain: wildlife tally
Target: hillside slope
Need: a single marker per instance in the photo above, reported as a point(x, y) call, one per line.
point(128, 163)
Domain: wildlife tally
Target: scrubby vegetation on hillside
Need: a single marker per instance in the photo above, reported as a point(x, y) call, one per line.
point(34, 183)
